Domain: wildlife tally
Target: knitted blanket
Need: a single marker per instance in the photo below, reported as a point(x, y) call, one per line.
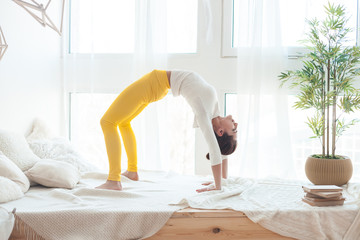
point(276, 205)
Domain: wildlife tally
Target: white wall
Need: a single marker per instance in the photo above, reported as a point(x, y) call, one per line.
point(30, 72)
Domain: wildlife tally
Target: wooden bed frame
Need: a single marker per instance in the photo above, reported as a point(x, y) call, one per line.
point(199, 224)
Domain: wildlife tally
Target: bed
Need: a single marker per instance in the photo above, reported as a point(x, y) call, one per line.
point(198, 224)
point(165, 206)
point(162, 205)
point(201, 224)
point(156, 207)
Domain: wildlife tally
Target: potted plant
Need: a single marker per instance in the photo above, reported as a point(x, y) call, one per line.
point(326, 84)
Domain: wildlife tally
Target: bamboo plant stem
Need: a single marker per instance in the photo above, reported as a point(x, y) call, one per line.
point(323, 116)
point(334, 118)
point(328, 112)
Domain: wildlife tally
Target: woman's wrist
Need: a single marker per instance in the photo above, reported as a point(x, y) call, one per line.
point(216, 169)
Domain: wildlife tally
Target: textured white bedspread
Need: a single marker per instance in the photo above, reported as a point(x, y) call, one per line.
point(137, 212)
point(143, 207)
point(276, 205)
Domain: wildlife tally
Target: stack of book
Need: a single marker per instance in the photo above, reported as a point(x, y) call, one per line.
point(323, 195)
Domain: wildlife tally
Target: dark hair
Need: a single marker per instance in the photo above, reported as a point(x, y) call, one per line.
point(227, 144)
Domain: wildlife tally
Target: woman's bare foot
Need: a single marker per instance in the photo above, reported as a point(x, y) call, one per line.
point(111, 185)
point(131, 175)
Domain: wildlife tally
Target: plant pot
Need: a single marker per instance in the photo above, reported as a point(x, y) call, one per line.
point(328, 171)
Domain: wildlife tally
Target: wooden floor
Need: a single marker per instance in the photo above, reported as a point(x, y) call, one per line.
point(198, 224)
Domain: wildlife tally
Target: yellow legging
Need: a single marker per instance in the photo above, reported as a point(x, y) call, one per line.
point(150, 88)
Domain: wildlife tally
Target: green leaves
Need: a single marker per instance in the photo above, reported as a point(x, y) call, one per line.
point(326, 79)
point(316, 125)
point(350, 103)
point(341, 126)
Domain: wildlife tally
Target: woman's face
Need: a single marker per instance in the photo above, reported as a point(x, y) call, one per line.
point(229, 125)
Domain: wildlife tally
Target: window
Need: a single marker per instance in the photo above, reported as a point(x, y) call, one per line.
point(302, 145)
point(292, 17)
point(108, 26)
point(176, 137)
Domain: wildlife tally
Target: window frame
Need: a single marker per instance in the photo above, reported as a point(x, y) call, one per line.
point(227, 37)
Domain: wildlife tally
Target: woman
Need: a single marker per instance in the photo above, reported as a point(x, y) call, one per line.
point(219, 132)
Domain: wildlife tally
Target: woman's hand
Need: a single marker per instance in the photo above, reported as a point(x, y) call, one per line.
point(217, 180)
point(211, 188)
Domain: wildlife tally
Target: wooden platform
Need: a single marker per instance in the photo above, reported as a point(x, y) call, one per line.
point(198, 224)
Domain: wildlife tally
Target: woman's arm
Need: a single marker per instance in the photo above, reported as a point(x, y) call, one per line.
point(214, 150)
point(225, 168)
point(216, 169)
point(220, 170)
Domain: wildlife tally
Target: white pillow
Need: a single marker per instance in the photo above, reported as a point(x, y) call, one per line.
point(60, 149)
point(15, 147)
point(46, 147)
point(9, 190)
point(51, 173)
point(9, 170)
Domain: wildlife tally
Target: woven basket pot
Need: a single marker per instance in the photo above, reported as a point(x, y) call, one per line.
point(328, 171)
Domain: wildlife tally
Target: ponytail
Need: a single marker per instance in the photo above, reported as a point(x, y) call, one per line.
point(227, 144)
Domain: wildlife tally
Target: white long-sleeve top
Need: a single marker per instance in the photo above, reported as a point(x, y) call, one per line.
point(203, 100)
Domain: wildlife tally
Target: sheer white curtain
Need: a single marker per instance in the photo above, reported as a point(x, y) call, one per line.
point(94, 80)
point(273, 136)
point(264, 143)
point(150, 53)
point(165, 138)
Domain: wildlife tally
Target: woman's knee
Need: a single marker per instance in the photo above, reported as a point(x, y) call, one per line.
point(105, 123)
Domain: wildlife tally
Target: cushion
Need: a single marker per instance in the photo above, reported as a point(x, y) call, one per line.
point(16, 148)
point(9, 190)
point(60, 149)
point(51, 173)
point(46, 147)
point(9, 170)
